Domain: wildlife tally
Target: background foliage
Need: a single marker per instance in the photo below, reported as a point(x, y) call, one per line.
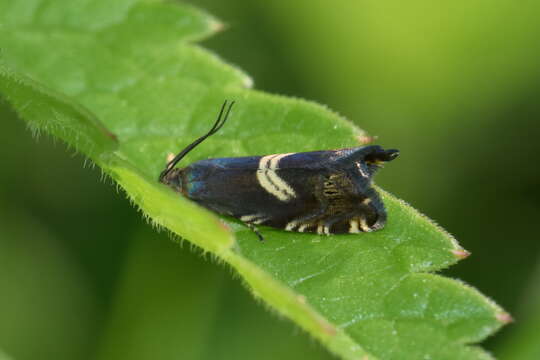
point(453, 88)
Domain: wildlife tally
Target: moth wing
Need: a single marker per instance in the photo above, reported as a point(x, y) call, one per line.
point(300, 192)
point(252, 189)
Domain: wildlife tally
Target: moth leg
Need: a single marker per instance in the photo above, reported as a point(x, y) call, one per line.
point(308, 220)
point(255, 230)
point(370, 214)
point(333, 220)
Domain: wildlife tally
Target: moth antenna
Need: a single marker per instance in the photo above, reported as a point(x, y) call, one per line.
point(220, 121)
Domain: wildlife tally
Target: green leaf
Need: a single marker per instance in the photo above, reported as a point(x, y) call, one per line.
point(53, 112)
point(186, 319)
point(133, 66)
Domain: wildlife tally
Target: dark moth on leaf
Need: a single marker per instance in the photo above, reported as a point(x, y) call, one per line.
point(324, 192)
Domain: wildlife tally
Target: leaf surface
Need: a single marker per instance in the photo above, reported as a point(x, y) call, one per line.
point(124, 84)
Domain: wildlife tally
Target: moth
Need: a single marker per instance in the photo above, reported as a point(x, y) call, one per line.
point(323, 192)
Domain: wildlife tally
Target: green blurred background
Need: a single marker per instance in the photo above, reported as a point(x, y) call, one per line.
point(454, 85)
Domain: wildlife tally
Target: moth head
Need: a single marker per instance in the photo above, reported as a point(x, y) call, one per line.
point(173, 179)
